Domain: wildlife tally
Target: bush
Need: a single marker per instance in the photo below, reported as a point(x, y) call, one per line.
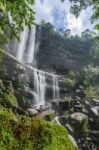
point(7, 97)
point(91, 93)
point(23, 133)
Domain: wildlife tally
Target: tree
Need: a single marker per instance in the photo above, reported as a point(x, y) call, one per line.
point(14, 15)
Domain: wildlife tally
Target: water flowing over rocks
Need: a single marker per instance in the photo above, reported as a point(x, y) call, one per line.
point(45, 94)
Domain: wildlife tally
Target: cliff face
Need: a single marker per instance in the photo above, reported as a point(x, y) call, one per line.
point(51, 51)
point(55, 51)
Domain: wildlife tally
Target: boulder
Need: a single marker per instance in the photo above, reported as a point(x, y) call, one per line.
point(69, 128)
point(19, 111)
point(73, 141)
point(65, 104)
point(95, 102)
point(95, 111)
point(32, 112)
point(45, 107)
point(78, 117)
point(64, 119)
point(54, 104)
point(79, 123)
point(80, 93)
point(94, 118)
point(47, 115)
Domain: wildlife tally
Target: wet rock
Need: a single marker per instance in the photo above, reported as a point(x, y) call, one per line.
point(65, 104)
point(73, 140)
point(78, 117)
point(32, 112)
point(19, 111)
point(46, 114)
point(78, 107)
point(69, 128)
point(95, 111)
point(45, 107)
point(80, 93)
point(95, 136)
point(54, 104)
point(64, 119)
point(79, 122)
point(95, 102)
point(56, 120)
point(20, 68)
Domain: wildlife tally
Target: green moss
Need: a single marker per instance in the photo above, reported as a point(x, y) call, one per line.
point(10, 100)
point(91, 93)
point(23, 133)
point(50, 116)
point(7, 97)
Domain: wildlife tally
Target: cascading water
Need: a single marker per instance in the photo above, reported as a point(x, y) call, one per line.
point(25, 54)
point(55, 88)
point(39, 87)
point(22, 44)
point(42, 85)
point(36, 87)
point(31, 46)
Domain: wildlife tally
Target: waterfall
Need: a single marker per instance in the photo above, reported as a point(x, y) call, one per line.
point(39, 87)
point(55, 88)
point(36, 87)
point(25, 54)
point(22, 44)
point(31, 46)
point(42, 87)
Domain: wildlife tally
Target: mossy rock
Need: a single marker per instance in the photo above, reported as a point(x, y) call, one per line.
point(50, 116)
point(10, 100)
point(8, 85)
point(7, 97)
point(24, 133)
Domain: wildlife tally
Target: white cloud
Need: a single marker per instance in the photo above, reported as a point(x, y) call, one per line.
point(45, 8)
point(43, 11)
point(75, 24)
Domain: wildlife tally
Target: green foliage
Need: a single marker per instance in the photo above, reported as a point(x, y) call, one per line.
point(70, 79)
point(91, 93)
point(88, 80)
point(3, 70)
point(50, 116)
point(1, 58)
point(14, 15)
point(61, 50)
point(10, 100)
point(7, 97)
point(23, 133)
point(88, 75)
point(85, 81)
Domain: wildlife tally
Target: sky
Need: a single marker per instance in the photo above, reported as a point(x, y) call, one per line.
point(57, 13)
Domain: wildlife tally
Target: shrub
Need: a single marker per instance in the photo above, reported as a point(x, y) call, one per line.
point(23, 133)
